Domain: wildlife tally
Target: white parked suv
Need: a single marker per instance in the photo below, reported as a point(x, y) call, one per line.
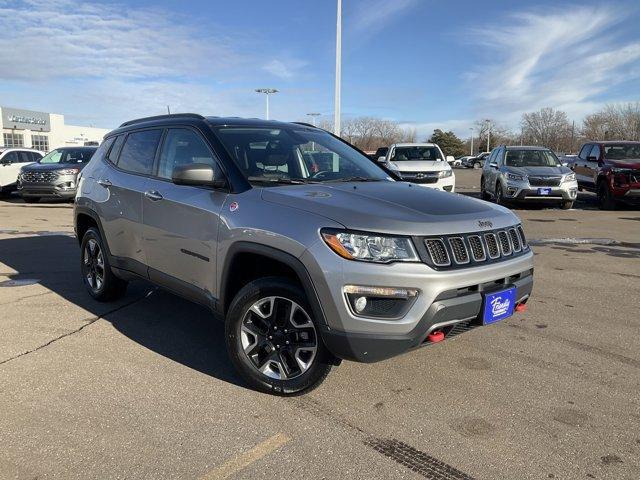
point(11, 161)
point(421, 163)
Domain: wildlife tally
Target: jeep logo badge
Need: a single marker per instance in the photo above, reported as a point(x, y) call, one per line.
point(485, 223)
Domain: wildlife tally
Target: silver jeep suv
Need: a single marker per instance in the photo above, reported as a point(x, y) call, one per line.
point(308, 250)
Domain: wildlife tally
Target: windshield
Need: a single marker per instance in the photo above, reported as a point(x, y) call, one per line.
point(292, 155)
point(622, 152)
point(402, 154)
point(68, 155)
point(531, 158)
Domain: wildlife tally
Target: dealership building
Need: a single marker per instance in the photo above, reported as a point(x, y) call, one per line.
point(43, 131)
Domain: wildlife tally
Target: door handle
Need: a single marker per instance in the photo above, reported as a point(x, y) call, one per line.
point(153, 195)
point(104, 183)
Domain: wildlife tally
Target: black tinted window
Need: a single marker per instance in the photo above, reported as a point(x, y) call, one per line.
point(11, 157)
point(104, 148)
point(25, 157)
point(183, 147)
point(115, 149)
point(139, 150)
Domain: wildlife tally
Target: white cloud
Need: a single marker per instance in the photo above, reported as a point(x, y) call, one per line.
point(373, 15)
point(285, 70)
point(559, 58)
point(424, 129)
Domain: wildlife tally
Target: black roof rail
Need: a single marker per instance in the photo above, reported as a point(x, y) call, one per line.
point(306, 124)
point(162, 117)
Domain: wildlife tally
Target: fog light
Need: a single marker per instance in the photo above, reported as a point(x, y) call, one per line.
point(360, 304)
point(380, 302)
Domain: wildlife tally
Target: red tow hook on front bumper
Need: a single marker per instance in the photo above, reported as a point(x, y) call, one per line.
point(435, 337)
point(521, 307)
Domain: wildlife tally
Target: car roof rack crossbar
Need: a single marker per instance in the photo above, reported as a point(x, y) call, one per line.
point(161, 117)
point(305, 124)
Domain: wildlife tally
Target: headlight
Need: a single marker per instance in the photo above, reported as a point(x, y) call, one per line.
point(570, 177)
point(513, 176)
point(369, 247)
point(68, 171)
point(445, 173)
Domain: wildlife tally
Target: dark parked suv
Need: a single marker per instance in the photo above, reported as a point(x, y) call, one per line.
point(309, 251)
point(55, 175)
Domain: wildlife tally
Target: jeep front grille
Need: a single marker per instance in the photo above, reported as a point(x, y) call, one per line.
point(515, 240)
point(470, 249)
point(477, 248)
point(437, 252)
point(492, 245)
point(505, 245)
point(460, 254)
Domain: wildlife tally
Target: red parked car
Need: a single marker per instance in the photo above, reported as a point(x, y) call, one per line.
point(611, 169)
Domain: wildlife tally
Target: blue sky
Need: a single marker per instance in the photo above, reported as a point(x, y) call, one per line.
point(425, 63)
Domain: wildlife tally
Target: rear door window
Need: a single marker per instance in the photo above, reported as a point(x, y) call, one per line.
point(139, 151)
point(25, 157)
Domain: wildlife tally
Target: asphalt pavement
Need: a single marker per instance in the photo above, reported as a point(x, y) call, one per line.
point(142, 388)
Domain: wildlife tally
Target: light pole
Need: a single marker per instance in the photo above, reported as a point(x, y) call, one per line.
point(336, 114)
point(471, 152)
point(488, 133)
point(267, 92)
point(313, 116)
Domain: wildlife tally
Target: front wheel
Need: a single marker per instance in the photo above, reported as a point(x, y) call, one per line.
point(605, 198)
point(476, 165)
point(566, 205)
point(499, 196)
point(273, 340)
point(483, 193)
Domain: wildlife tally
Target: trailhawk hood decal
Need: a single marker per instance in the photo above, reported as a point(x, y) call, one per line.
point(393, 207)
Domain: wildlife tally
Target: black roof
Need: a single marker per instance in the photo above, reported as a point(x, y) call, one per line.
point(616, 142)
point(212, 120)
point(526, 147)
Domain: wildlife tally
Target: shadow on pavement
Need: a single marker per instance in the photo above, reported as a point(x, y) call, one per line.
point(162, 322)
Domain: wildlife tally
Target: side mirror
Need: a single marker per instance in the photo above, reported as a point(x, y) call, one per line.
point(382, 159)
point(196, 174)
point(450, 159)
point(592, 158)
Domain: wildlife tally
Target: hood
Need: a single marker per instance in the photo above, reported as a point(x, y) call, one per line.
point(418, 166)
point(47, 167)
point(632, 163)
point(392, 207)
point(536, 171)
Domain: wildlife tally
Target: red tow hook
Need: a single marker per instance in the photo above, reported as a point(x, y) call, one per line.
point(435, 337)
point(521, 307)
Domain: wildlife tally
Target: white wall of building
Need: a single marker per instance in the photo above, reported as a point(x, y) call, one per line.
point(59, 133)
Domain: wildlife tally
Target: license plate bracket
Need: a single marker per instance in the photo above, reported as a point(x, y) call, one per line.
point(544, 191)
point(498, 305)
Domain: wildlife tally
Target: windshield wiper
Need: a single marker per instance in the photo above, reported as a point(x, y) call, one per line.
point(283, 180)
point(357, 179)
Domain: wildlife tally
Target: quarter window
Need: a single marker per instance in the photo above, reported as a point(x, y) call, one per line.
point(11, 157)
point(139, 151)
point(113, 153)
point(183, 146)
point(104, 148)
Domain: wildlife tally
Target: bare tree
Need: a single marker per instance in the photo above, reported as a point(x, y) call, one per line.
point(613, 122)
point(369, 133)
point(498, 135)
point(547, 127)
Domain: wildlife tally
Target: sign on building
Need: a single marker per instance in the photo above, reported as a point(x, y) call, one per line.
point(25, 119)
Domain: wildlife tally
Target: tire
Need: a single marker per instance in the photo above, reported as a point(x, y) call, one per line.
point(258, 349)
point(31, 199)
point(605, 199)
point(499, 197)
point(566, 205)
point(483, 193)
point(97, 276)
point(476, 166)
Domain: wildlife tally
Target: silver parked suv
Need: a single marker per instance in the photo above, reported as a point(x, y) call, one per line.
point(525, 174)
point(309, 251)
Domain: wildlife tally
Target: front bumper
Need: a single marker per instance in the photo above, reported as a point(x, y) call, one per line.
point(451, 312)
point(523, 192)
point(447, 184)
point(63, 187)
point(348, 335)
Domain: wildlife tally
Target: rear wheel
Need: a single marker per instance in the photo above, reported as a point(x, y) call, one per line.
point(476, 165)
point(31, 199)
point(273, 340)
point(605, 198)
point(97, 276)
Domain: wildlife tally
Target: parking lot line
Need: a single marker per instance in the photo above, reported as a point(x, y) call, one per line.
point(243, 460)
